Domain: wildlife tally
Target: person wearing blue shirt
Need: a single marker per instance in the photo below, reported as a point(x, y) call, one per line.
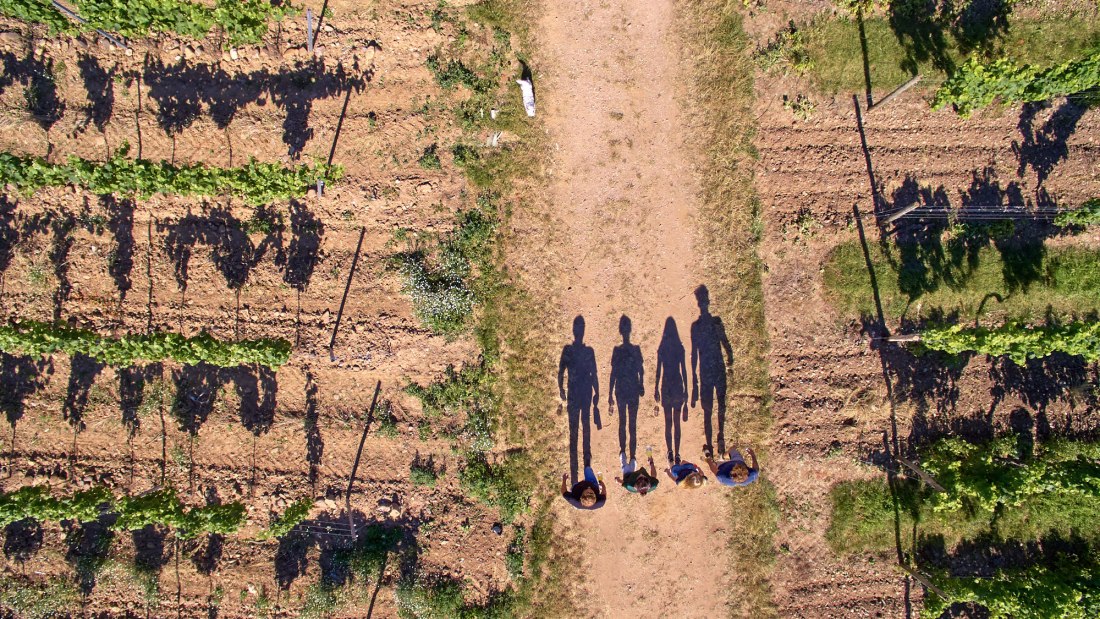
point(733, 472)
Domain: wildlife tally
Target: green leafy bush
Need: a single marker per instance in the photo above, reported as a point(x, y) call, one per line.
point(421, 597)
point(1088, 214)
point(164, 507)
point(37, 503)
point(1067, 589)
point(244, 21)
point(31, 337)
point(494, 485)
point(294, 515)
point(1018, 342)
point(255, 182)
point(57, 597)
point(975, 85)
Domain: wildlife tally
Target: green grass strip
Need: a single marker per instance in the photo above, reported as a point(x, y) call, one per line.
point(31, 337)
point(834, 49)
point(255, 182)
point(952, 281)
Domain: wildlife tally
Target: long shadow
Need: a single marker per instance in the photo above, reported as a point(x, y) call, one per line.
point(82, 375)
point(99, 83)
point(21, 377)
point(208, 555)
point(121, 260)
point(256, 390)
point(315, 443)
point(672, 391)
point(183, 89)
point(302, 254)
point(36, 75)
point(922, 31)
point(578, 360)
point(197, 389)
point(711, 354)
point(866, 61)
point(88, 546)
point(1042, 382)
point(627, 383)
point(62, 226)
point(9, 236)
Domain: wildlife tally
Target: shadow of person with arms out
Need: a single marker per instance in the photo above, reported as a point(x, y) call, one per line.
point(627, 386)
point(672, 392)
point(579, 361)
point(708, 366)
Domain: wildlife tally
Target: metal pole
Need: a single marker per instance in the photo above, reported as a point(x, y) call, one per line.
point(71, 13)
point(309, 30)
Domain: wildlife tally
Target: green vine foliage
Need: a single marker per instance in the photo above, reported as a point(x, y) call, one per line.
point(975, 85)
point(1018, 342)
point(164, 507)
point(1088, 214)
point(243, 21)
point(37, 503)
point(1068, 589)
point(984, 478)
point(295, 513)
point(255, 182)
point(30, 337)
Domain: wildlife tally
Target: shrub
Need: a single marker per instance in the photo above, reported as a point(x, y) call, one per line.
point(1088, 214)
point(975, 85)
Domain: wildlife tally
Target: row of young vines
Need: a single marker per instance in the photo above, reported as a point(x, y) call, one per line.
point(160, 507)
point(30, 337)
point(255, 182)
point(242, 21)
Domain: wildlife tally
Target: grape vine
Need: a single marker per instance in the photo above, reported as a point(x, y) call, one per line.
point(31, 337)
point(988, 476)
point(243, 21)
point(1088, 214)
point(295, 513)
point(1068, 589)
point(255, 182)
point(1018, 342)
point(975, 85)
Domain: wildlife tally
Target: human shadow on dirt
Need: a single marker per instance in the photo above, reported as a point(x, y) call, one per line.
point(183, 89)
point(581, 395)
point(99, 84)
point(83, 371)
point(711, 355)
point(22, 540)
point(672, 390)
point(88, 546)
point(1043, 147)
point(626, 383)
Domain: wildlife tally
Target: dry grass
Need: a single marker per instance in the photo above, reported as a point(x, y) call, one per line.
point(729, 226)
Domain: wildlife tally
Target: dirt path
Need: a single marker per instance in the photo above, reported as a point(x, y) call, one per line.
point(623, 184)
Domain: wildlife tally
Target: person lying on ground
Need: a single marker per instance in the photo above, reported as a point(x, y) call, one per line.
point(589, 493)
point(733, 472)
point(686, 474)
point(638, 479)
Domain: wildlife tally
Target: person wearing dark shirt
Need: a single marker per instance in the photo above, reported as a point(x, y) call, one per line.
point(638, 479)
point(686, 475)
point(589, 493)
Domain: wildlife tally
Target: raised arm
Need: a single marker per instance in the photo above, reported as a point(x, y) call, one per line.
point(641, 371)
point(612, 377)
point(752, 454)
point(694, 368)
point(657, 379)
point(725, 341)
point(564, 487)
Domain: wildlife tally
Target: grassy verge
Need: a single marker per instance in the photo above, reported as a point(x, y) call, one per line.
point(833, 46)
point(729, 231)
point(951, 281)
point(502, 397)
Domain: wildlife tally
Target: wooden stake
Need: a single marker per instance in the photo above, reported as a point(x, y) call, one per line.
point(898, 91)
point(903, 212)
point(922, 579)
point(925, 477)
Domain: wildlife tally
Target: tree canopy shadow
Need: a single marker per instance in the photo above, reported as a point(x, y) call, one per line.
point(40, 92)
point(196, 391)
point(22, 540)
point(339, 559)
point(99, 83)
point(183, 89)
point(21, 377)
point(121, 259)
point(1042, 148)
point(83, 371)
point(88, 546)
point(307, 231)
